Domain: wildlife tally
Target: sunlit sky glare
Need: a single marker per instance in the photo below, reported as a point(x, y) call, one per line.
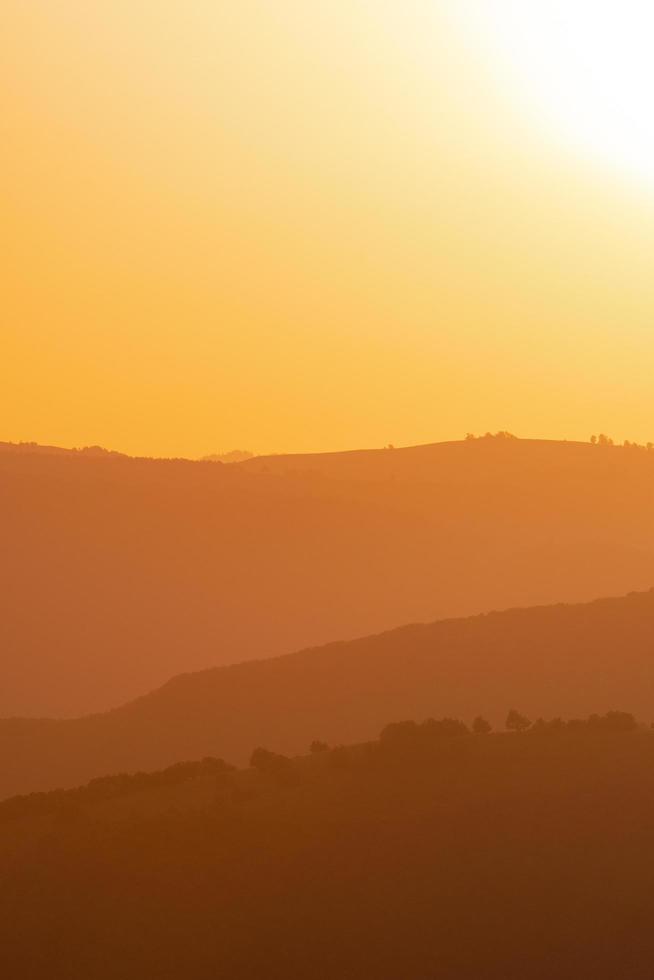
point(584, 68)
point(304, 226)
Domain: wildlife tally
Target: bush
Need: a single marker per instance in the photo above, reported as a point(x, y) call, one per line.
point(614, 721)
point(515, 722)
point(444, 727)
point(409, 733)
point(398, 731)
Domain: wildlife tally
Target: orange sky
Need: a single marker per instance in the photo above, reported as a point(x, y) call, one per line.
point(301, 226)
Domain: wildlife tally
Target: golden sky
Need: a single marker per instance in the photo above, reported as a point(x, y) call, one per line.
point(302, 225)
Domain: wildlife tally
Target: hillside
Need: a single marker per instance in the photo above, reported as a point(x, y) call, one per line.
point(34, 449)
point(424, 854)
point(571, 659)
point(118, 573)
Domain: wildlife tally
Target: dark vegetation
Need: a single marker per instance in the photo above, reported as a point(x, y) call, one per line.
point(604, 440)
point(431, 852)
point(570, 659)
point(110, 788)
point(404, 736)
point(33, 448)
point(502, 434)
point(119, 573)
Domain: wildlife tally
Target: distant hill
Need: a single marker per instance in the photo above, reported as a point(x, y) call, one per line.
point(118, 573)
point(560, 659)
point(428, 853)
point(33, 448)
point(233, 456)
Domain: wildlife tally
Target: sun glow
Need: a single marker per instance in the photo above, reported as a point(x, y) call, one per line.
point(585, 65)
point(302, 226)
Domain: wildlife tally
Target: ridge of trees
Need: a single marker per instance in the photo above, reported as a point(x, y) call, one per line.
point(111, 787)
point(603, 440)
point(596, 440)
point(399, 738)
point(502, 434)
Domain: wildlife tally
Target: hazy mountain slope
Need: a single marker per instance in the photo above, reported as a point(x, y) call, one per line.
point(569, 659)
point(497, 857)
point(117, 573)
point(33, 448)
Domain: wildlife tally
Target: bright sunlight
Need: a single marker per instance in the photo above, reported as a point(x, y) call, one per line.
point(585, 65)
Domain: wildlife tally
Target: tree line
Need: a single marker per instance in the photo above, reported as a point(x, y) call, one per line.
point(405, 737)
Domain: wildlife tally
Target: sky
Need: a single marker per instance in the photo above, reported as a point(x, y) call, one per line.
point(295, 226)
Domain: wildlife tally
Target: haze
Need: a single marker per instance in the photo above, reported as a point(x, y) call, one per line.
point(326, 482)
point(299, 227)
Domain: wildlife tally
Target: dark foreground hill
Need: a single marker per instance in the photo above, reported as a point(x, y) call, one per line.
point(423, 855)
point(118, 573)
point(573, 659)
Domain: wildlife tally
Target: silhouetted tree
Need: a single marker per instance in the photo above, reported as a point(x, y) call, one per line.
point(318, 746)
point(398, 731)
point(502, 434)
point(409, 734)
point(443, 726)
point(541, 726)
point(515, 722)
point(614, 721)
point(480, 726)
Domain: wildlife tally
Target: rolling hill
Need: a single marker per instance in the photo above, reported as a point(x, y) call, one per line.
point(423, 854)
point(118, 573)
point(570, 659)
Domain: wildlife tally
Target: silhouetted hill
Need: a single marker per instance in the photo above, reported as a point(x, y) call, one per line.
point(428, 853)
point(118, 573)
point(570, 659)
point(33, 448)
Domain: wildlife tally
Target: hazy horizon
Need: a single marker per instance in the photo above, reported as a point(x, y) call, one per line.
point(229, 451)
point(317, 227)
point(326, 525)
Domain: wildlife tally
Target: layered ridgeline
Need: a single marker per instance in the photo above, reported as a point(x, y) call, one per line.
point(560, 659)
point(431, 852)
point(118, 573)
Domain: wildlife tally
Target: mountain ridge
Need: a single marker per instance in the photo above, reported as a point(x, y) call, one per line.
point(120, 572)
point(571, 658)
point(428, 851)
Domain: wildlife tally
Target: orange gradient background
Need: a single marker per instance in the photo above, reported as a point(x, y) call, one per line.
point(301, 226)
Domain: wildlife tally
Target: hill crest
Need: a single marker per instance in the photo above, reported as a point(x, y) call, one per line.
point(569, 659)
